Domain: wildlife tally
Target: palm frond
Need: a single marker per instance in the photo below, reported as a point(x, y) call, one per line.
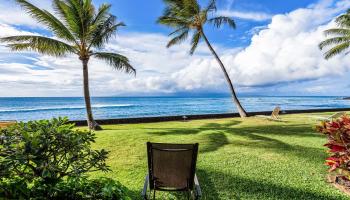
point(220, 20)
point(178, 39)
point(195, 40)
point(117, 61)
point(336, 50)
point(212, 6)
point(173, 21)
point(102, 14)
point(191, 6)
point(337, 31)
point(46, 18)
point(104, 32)
point(334, 41)
point(344, 20)
point(38, 44)
point(70, 16)
point(184, 16)
point(84, 12)
point(88, 13)
point(179, 30)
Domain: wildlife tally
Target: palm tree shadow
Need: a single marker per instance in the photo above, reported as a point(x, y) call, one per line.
point(219, 185)
point(216, 135)
point(215, 141)
point(215, 138)
point(191, 131)
point(209, 186)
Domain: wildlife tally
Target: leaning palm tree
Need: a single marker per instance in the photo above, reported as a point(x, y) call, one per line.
point(79, 29)
point(340, 40)
point(185, 16)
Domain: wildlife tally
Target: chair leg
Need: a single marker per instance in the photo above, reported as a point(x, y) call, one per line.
point(154, 194)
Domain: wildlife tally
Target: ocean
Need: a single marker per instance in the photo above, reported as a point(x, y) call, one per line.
point(34, 108)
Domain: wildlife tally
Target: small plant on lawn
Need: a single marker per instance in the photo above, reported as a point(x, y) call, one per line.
point(42, 159)
point(338, 134)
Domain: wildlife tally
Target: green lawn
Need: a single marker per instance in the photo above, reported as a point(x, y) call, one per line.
point(249, 158)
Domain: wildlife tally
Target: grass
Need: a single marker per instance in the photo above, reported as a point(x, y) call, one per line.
point(249, 158)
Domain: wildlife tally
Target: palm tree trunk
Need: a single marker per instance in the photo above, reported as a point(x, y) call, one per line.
point(240, 109)
point(93, 125)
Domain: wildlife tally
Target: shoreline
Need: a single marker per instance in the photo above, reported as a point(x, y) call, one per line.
point(138, 120)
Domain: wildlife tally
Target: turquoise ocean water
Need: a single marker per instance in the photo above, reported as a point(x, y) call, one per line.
point(33, 108)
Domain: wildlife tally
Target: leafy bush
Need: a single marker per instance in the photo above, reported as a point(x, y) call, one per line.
point(72, 188)
point(338, 134)
point(50, 159)
point(82, 188)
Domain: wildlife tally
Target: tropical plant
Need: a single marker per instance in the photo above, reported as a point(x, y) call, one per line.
point(338, 134)
point(50, 159)
point(185, 16)
point(340, 40)
point(80, 29)
point(76, 188)
point(48, 150)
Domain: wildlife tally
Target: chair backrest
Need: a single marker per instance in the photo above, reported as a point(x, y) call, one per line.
point(275, 112)
point(171, 166)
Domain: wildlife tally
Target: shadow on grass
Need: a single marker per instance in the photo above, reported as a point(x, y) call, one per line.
point(192, 131)
point(266, 143)
point(215, 141)
point(218, 185)
point(259, 136)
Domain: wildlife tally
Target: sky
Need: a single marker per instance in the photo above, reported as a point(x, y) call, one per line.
point(273, 51)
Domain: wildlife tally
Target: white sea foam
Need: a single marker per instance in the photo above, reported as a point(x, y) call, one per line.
point(63, 108)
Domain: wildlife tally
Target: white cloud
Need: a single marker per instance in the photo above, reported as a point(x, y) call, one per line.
point(13, 14)
point(254, 16)
point(155, 65)
point(288, 49)
point(285, 51)
point(7, 30)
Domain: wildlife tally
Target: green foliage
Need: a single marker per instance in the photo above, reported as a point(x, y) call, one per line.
point(340, 37)
point(70, 189)
point(83, 30)
point(121, 62)
point(101, 188)
point(39, 44)
point(49, 150)
point(50, 159)
point(187, 15)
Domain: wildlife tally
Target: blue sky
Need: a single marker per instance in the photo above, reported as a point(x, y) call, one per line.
point(140, 15)
point(273, 51)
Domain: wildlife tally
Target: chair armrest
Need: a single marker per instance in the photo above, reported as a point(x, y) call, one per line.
point(144, 191)
point(197, 187)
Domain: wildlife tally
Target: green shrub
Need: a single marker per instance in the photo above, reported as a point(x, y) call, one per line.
point(49, 159)
point(102, 188)
point(71, 188)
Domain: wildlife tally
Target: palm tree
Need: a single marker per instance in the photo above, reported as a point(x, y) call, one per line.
point(340, 41)
point(79, 29)
point(187, 15)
